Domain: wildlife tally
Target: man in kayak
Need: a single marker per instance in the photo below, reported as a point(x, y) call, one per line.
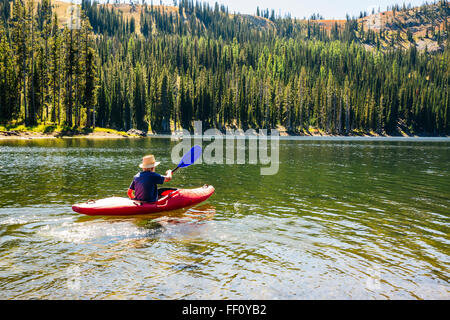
point(145, 182)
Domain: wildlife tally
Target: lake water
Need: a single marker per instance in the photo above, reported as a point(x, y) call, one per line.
point(342, 219)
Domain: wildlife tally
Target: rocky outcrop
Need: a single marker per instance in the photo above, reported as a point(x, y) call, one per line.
point(137, 132)
point(9, 133)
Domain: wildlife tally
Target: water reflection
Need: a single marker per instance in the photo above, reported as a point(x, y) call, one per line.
point(186, 222)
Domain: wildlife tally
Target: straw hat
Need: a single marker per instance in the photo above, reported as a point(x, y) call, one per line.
point(148, 162)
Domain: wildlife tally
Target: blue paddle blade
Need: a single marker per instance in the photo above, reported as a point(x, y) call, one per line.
point(190, 157)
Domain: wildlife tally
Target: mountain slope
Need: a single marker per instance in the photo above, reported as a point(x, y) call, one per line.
point(425, 27)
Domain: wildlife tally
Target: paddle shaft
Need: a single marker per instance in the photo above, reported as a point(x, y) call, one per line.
point(175, 169)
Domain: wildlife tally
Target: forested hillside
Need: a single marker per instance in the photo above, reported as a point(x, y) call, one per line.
point(158, 68)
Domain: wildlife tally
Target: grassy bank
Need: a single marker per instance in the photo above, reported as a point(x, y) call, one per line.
point(22, 131)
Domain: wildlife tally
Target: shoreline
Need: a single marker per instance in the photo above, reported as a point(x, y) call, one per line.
point(30, 135)
point(91, 135)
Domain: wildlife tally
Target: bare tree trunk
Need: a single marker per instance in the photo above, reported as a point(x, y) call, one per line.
point(44, 87)
point(347, 114)
point(340, 116)
point(24, 66)
point(59, 91)
point(77, 93)
point(300, 111)
point(25, 89)
point(32, 66)
point(70, 104)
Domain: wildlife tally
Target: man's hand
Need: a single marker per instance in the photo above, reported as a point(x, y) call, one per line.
point(130, 193)
point(168, 176)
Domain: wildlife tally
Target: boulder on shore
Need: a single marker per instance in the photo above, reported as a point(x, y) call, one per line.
point(10, 133)
point(137, 132)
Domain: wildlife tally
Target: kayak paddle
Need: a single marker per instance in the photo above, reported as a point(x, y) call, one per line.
point(189, 158)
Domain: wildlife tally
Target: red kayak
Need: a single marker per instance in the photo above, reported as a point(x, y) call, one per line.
point(169, 199)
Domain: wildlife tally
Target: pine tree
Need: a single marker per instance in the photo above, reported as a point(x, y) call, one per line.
point(55, 70)
point(19, 32)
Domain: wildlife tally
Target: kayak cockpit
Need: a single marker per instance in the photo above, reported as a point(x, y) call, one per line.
point(162, 192)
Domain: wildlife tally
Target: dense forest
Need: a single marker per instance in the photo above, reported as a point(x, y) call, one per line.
point(175, 65)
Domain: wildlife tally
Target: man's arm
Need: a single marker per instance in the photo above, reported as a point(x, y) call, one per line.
point(130, 193)
point(130, 190)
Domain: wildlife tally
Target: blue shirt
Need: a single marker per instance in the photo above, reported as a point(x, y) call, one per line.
point(144, 185)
